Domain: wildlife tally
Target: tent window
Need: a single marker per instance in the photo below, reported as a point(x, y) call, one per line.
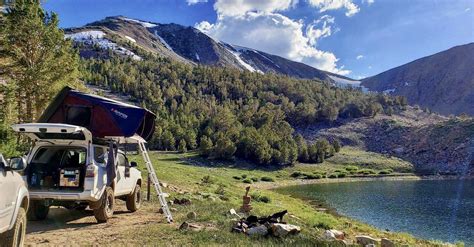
point(78, 115)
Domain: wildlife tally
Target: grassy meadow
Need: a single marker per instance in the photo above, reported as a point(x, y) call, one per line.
point(214, 187)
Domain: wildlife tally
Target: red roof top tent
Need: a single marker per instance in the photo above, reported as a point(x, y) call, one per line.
point(109, 119)
point(103, 117)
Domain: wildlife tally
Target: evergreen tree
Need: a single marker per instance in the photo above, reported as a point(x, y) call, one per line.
point(39, 61)
point(182, 146)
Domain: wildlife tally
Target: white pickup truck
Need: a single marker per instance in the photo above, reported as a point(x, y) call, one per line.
point(66, 167)
point(14, 201)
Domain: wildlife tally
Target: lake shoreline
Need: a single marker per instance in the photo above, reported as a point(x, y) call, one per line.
point(320, 205)
point(393, 177)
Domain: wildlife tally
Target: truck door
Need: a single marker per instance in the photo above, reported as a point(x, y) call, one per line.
point(8, 195)
point(122, 181)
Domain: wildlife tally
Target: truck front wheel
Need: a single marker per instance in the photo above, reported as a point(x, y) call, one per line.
point(37, 211)
point(106, 208)
point(16, 236)
point(134, 200)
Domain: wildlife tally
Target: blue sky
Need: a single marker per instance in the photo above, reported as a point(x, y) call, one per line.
point(357, 38)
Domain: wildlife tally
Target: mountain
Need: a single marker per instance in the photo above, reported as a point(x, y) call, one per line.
point(186, 44)
point(443, 82)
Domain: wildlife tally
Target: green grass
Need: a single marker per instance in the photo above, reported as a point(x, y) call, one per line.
point(218, 180)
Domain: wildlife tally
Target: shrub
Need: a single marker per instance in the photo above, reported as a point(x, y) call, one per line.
point(260, 198)
point(366, 172)
point(385, 172)
point(247, 181)
point(296, 174)
point(323, 225)
point(351, 168)
point(311, 176)
point(237, 177)
point(244, 176)
point(333, 175)
point(267, 179)
point(220, 190)
point(207, 180)
point(254, 179)
point(342, 175)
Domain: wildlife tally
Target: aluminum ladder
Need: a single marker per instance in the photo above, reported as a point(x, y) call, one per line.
point(156, 183)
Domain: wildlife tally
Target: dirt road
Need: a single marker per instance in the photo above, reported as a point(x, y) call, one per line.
point(74, 227)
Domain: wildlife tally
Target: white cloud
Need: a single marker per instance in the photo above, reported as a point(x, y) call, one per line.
point(369, 2)
point(325, 5)
point(467, 9)
point(314, 34)
point(192, 2)
point(370, 67)
point(240, 7)
point(277, 34)
point(360, 57)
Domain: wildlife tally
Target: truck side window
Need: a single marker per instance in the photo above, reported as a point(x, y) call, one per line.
point(122, 160)
point(99, 155)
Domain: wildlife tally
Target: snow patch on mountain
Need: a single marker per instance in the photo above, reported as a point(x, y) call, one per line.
point(197, 56)
point(345, 83)
point(131, 39)
point(143, 23)
point(163, 41)
point(242, 62)
point(96, 37)
point(389, 91)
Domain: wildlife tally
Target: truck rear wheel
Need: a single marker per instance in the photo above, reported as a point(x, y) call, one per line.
point(106, 209)
point(37, 211)
point(134, 200)
point(16, 236)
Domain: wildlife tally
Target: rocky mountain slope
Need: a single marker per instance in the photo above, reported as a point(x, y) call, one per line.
point(443, 82)
point(435, 144)
point(186, 44)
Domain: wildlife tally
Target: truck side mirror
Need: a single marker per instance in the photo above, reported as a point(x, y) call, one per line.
point(17, 163)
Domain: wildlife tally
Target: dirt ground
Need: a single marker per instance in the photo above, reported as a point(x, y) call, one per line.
point(74, 227)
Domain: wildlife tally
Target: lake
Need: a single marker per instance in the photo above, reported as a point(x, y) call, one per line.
point(429, 209)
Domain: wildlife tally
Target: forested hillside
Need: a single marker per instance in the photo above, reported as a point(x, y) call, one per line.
point(226, 112)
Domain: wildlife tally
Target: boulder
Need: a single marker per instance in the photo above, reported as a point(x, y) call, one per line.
point(328, 235)
point(258, 230)
point(185, 226)
point(281, 230)
point(366, 240)
point(387, 243)
point(338, 234)
point(182, 201)
point(191, 215)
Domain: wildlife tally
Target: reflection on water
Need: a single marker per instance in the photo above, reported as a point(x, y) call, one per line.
point(430, 209)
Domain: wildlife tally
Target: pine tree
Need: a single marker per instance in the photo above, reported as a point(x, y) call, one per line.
point(40, 61)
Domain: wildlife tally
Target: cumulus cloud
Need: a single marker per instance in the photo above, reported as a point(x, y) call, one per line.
point(360, 57)
point(369, 2)
point(277, 34)
point(314, 33)
point(192, 2)
point(240, 7)
point(325, 5)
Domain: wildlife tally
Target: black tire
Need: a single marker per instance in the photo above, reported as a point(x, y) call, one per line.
point(106, 209)
point(37, 211)
point(16, 236)
point(134, 200)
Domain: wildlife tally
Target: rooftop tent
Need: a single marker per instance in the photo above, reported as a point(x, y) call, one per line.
point(103, 117)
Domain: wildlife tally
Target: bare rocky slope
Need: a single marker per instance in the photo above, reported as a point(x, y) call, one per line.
point(183, 44)
point(443, 82)
point(433, 143)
